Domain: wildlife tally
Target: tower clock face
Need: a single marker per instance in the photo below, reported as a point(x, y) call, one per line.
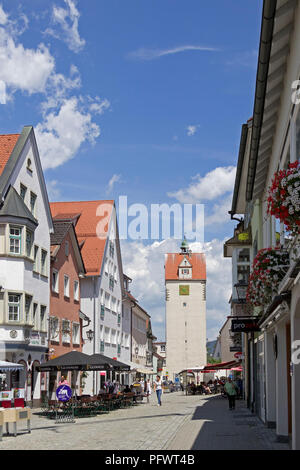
point(184, 290)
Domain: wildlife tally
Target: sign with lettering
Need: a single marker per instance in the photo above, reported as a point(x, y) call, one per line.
point(244, 325)
point(64, 393)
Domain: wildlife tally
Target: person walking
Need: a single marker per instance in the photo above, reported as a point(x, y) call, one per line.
point(230, 389)
point(158, 389)
point(148, 389)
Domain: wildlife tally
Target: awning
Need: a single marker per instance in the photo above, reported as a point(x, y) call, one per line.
point(101, 362)
point(221, 365)
point(73, 360)
point(10, 366)
point(76, 360)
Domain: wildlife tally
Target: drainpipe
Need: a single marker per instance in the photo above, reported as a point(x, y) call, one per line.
point(94, 340)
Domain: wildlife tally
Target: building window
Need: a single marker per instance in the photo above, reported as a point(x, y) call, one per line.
point(55, 281)
point(111, 249)
point(29, 164)
point(43, 318)
point(44, 263)
point(163, 348)
point(67, 248)
point(66, 286)
point(66, 331)
point(15, 240)
point(54, 329)
point(113, 337)
point(111, 282)
point(35, 317)
point(102, 311)
point(23, 191)
point(29, 239)
point(75, 333)
point(14, 307)
point(107, 335)
point(28, 300)
point(35, 257)
point(76, 290)
point(32, 203)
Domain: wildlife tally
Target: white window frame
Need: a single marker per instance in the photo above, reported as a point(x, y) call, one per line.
point(15, 237)
point(76, 290)
point(13, 303)
point(55, 285)
point(44, 266)
point(23, 187)
point(76, 338)
point(43, 309)
point(66, 286)
point(32, 208)
point(66, 337)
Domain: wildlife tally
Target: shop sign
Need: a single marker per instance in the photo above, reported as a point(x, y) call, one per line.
point(238, 355)
point(64, 393)
point(243, 236)
point(244, 326)
point(34, 338)
point(234, 348)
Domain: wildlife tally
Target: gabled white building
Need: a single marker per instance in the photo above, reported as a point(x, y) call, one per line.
point(102, 288)
point(25, 226)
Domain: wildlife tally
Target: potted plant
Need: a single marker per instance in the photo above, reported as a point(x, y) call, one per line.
point(268, 269)
point(284, 197)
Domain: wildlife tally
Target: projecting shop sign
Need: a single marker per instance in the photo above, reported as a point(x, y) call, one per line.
point(244, 326)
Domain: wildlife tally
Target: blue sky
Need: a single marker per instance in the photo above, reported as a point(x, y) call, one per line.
point(149, 96)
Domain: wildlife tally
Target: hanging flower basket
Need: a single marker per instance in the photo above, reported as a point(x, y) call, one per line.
point(284, 197)
point(269, 268)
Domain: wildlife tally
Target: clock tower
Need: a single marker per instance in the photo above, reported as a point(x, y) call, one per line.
point(185, 282)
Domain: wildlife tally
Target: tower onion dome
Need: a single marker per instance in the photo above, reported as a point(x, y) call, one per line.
point(184, 246)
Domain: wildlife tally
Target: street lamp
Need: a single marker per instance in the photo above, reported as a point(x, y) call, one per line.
point(90, 335)
point(241, 289)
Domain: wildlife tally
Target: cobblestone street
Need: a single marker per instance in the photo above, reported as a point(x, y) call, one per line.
point(181, 423)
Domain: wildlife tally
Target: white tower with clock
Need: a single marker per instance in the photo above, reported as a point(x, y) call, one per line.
point(185, 281)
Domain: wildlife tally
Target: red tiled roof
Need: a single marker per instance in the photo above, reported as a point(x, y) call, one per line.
point(7, 143)
point(197, 260)
point(86, 228)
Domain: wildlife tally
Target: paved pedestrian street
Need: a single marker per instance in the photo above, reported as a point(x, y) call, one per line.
point(181, 423)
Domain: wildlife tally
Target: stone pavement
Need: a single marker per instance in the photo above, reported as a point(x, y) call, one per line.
point(213, 426)
point(192, 422)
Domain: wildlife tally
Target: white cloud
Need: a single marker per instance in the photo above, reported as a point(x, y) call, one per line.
point(61, 133)
point(67, 19)
point(24, 69)
point(53, 190)
point(3, 16)
point(145, 265)
point(192, 129)
point(150, 54)
point(2, 92)
point(218, 213)
point(113, 180)
point(98, 106)
point(214, 184)
point(67, 119)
